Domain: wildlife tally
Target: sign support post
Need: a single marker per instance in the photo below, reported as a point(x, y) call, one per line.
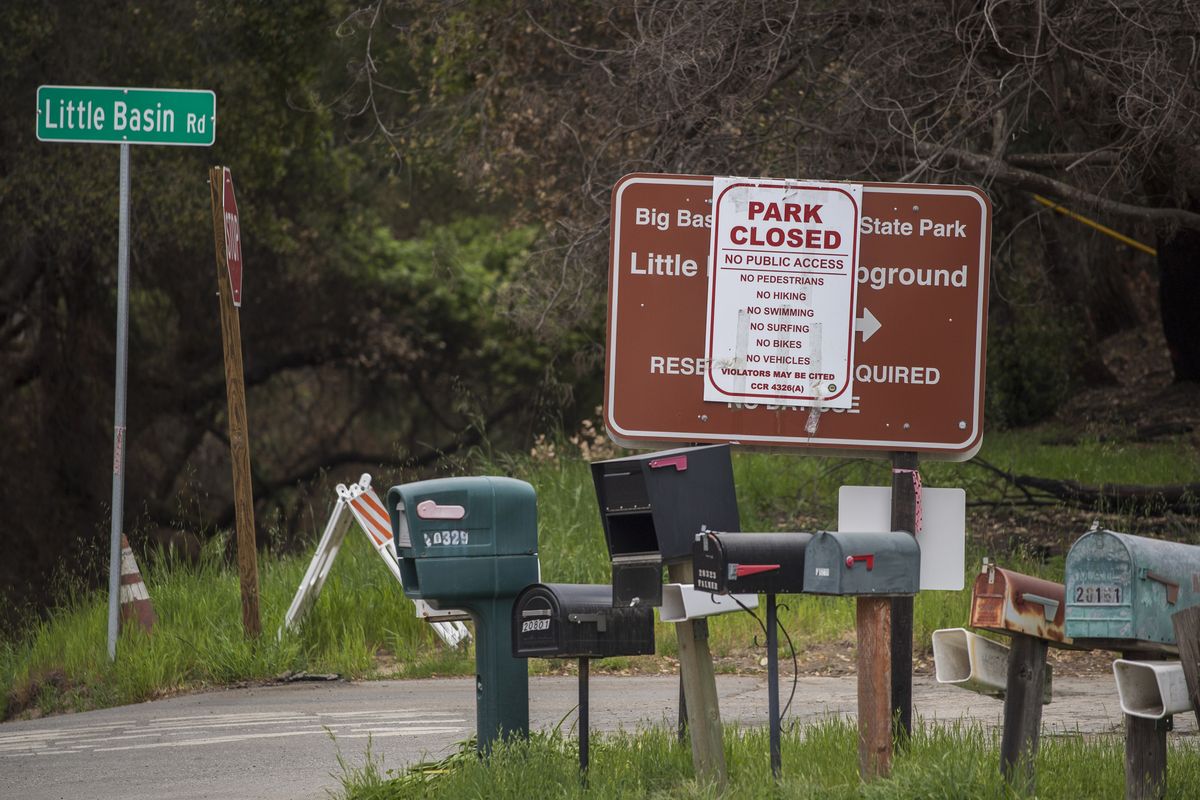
point(118, 490)
point(904, 518)
point(124, 116)
point(235, 391)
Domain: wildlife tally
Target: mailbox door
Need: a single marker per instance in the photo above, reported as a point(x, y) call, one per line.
point(690, 489)
point(847, 563)
point(535, 626)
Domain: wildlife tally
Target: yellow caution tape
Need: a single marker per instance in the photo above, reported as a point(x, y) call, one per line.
point(1120, 237)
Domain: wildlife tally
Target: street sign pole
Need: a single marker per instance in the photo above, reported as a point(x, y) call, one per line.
point(124, 116)
point(118, 490)
point(227, 237)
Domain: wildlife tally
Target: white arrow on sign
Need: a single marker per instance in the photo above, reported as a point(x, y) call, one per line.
point(867, 324)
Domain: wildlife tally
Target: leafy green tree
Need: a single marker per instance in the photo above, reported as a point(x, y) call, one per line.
point(369, 328)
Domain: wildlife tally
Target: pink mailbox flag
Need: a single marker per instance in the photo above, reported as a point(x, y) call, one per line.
point(233, 239)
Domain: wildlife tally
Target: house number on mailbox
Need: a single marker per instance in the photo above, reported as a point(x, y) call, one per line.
point(445, 538)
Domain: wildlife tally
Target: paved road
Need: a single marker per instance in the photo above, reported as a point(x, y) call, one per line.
point(283, 741)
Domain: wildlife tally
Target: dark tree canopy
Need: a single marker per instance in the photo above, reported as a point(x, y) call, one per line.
point(367, 326)
point(1092, 104)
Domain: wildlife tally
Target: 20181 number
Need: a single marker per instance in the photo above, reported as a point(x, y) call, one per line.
point(1098, 595)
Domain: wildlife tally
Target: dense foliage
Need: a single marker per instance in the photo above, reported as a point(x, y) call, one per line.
point(369, 324)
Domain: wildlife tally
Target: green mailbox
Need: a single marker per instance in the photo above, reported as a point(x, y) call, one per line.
point(471, 543)
point(1123, 589)
point(862, 564)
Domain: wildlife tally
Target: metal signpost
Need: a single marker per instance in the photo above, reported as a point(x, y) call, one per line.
point(916, 357)
point(105, 115)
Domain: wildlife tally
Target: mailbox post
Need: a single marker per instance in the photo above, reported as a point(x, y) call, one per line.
point(872, 567)
point(755, 562)
point(1033, 612)
point(578, 620)
point(471, 543)
point(652, 506)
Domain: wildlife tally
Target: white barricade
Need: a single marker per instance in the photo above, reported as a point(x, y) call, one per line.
point(367, 509)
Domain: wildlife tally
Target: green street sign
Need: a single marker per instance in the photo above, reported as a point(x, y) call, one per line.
point(101, 114)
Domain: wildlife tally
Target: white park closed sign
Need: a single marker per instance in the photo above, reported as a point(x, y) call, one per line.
point(781, 300)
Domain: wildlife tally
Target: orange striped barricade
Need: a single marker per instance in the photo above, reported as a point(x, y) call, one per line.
point(358, 502)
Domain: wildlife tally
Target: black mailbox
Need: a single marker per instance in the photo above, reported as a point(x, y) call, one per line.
point(652, 506)
point(578, 620)
point(771, 563)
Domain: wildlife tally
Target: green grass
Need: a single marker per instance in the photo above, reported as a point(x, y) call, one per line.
point(60, 663)
point(819, 761)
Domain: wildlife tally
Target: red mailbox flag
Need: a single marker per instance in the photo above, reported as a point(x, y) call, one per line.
point(233, 238)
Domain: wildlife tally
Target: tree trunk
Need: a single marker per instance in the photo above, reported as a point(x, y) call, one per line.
point(1179, 293)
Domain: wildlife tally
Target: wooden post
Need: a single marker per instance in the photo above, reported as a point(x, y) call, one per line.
point(239, 438)
point(1187, 634)
point(904, 518)
point(874, 629)
point(700, 690)
point(1023, 694)
point(1145, 750)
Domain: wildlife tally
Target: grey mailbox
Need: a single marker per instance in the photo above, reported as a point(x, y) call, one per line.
point(1123, 589)
point(862, 564)
point(653, 505)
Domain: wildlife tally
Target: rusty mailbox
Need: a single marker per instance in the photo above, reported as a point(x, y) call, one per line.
point(1010, 602)
point(1123, 589)
point(847, 563)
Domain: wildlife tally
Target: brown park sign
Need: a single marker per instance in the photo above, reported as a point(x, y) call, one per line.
point(921, 325)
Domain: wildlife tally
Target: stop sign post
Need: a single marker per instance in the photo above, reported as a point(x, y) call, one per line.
point(920, 318)
point(227, 234)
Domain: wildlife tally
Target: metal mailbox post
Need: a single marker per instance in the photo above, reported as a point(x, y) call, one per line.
point(578, 620)
point(862, 564)
point(726, 562)
point(471, 543)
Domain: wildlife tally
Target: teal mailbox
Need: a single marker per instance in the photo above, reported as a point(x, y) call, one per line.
point(848, 563)
point(471, 543)
point(1123, 589)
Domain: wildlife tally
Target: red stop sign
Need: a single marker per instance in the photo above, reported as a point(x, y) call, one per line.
point(233, 238)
